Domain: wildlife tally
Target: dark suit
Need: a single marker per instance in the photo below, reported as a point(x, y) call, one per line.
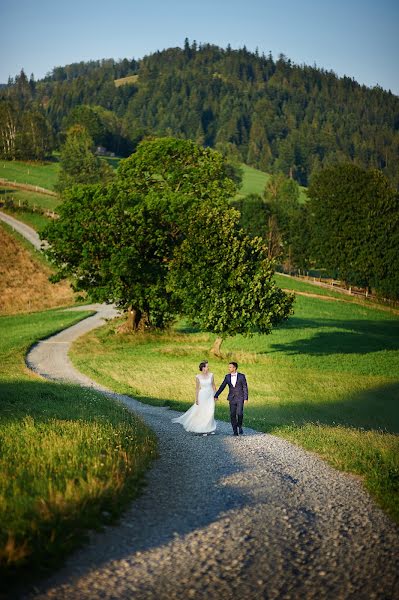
point(238, 394)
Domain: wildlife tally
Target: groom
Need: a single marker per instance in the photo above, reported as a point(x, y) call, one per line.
point(238, 394)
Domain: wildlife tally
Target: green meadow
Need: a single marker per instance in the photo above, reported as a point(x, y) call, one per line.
point(43, 174)
point(327, 380)
point(254, 182)
point(70, 458)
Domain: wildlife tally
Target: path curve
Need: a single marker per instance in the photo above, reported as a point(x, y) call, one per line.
point(222, 517)
point(27, 232)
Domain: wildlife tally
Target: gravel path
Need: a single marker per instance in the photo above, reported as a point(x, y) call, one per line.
point(223, 517)
point(28, 233)
point(252, 517)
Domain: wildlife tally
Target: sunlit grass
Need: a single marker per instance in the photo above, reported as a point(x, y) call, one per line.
point(43, 174)
point(327, 381)
point(70, 458)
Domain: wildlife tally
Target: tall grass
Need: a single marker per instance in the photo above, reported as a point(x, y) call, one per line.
point(24, 277)
point(327, 380)
point(70, 458)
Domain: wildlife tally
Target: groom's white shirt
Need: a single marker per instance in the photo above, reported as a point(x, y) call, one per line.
point(233, 379)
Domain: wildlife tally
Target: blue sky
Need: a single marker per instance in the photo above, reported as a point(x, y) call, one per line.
point(358, 38)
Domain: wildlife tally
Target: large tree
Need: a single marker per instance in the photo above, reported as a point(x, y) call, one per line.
point(128, 242)
point(116, 241)
point(224, 279)
point(355, 226)
point(117, 248)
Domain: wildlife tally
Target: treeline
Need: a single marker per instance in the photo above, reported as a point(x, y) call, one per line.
point(349, 227)
point(266, 112)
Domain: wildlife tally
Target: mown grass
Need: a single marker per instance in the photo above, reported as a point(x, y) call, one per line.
point(43, 174)
point(327, 380)
point(70, 458)
point(254, 182)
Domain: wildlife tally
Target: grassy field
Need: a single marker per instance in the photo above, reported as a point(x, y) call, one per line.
point(327, 380)
point(45, 175)
point(254, 182)
point(35, 173)
point(301, 286)
point(70, 458)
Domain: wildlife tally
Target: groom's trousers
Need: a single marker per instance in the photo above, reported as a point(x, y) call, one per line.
point(236, 414)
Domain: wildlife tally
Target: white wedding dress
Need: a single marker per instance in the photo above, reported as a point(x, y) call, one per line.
point(200, 418)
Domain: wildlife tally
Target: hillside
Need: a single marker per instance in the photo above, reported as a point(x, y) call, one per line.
point(24, 284)
point(268, 113)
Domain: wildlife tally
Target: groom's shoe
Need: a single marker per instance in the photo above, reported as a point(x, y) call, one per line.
point(235, 433)
point(240, 431)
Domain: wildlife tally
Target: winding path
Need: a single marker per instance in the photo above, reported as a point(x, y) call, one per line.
point(26, 231)
point(253, 517)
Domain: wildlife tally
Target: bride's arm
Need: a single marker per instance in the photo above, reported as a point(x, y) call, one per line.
point(197, 387)
point(213, 383)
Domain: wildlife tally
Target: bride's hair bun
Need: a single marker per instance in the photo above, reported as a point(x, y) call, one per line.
point(203, 364)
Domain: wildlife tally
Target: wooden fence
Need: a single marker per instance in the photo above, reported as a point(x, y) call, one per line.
point(27, 186)
point(333, 284)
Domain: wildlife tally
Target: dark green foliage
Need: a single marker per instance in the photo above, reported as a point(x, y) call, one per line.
point(117, 241)
point(355, 226)
point(103, 125)
point(25, 131)
point(224, 279)
point(271, 114)
point(254, 215)
point(90, 120)
point(78, 163)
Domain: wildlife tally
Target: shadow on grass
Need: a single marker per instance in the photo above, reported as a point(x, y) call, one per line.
point(371, 409)
point(189, 485)
point(43, 538)
point(355, 336)
point(169, 509)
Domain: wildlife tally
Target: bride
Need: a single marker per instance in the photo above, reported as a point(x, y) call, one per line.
point(200, 417)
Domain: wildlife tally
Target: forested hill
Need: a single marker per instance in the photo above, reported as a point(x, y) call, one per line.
point(270, 113)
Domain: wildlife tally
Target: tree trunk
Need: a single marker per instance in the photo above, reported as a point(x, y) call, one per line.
point(215, 350)
point(133, 319)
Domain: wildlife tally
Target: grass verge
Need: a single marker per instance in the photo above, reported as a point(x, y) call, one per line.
point(326, 381)
point(70, 457)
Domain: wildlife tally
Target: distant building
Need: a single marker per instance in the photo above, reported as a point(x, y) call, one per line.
point(101, 151)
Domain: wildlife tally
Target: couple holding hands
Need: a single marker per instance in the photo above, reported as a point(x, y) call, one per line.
point(200, 418)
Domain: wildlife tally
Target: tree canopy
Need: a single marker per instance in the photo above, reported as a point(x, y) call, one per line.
point(127, 242)
point(355, 226)
point(224, 279)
